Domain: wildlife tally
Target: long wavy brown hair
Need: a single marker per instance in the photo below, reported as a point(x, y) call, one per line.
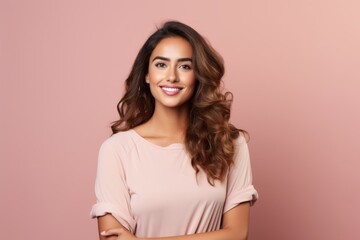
point(209, 137)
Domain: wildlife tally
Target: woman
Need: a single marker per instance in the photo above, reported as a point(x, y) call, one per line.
point(174, 168)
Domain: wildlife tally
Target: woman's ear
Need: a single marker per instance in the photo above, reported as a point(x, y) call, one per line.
point(147, 79)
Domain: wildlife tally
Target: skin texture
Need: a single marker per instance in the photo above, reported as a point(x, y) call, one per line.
point(170, 65)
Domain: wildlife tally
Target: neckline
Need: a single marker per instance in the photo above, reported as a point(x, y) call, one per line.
point(170, 146)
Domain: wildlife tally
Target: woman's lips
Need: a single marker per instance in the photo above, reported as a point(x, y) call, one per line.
point(170, 91)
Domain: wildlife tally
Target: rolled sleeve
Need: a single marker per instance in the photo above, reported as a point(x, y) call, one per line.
point(111, 191)
point(240, 188)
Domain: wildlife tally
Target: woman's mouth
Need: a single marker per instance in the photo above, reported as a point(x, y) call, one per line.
point(171, 91)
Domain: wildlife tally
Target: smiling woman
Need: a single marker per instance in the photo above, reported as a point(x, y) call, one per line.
point(174, 168)
point(171, 77)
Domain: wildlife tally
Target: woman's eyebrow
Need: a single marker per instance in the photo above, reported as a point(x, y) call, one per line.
point(168, 59)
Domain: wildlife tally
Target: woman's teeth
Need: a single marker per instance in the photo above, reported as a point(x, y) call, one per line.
point(171, 89)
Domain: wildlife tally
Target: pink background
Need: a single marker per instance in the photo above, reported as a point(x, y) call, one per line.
point(293, 67)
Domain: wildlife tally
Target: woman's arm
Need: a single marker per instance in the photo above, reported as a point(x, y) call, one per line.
point(107, 222)
point(234, 227)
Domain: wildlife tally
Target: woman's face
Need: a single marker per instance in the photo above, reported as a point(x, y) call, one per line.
point(171, 75)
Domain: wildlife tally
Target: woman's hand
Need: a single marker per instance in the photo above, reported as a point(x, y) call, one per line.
point(120, 233)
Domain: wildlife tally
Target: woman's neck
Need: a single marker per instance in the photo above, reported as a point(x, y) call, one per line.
point(170, 121)
point(166, 126)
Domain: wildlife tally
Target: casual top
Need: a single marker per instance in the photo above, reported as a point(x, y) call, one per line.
point(153, 191)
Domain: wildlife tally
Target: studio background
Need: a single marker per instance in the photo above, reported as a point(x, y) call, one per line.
point(293, 67)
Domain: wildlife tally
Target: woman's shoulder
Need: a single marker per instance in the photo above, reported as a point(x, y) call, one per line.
point(119, 140)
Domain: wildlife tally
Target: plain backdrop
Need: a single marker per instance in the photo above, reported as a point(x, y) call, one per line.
point(293, 67)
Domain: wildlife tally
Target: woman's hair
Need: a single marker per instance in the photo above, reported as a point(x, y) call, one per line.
point(209, 137)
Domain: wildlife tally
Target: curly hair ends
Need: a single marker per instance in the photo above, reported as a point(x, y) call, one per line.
point(209, 137)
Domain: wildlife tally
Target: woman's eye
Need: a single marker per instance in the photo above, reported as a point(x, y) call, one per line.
point(185, 66)
point(160, 65)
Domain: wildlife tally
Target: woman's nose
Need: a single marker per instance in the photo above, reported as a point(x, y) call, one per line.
point(172, 75)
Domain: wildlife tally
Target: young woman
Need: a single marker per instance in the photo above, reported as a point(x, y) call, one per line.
point(174, 168)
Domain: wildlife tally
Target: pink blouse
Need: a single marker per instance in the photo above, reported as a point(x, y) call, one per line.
point(153, 191)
